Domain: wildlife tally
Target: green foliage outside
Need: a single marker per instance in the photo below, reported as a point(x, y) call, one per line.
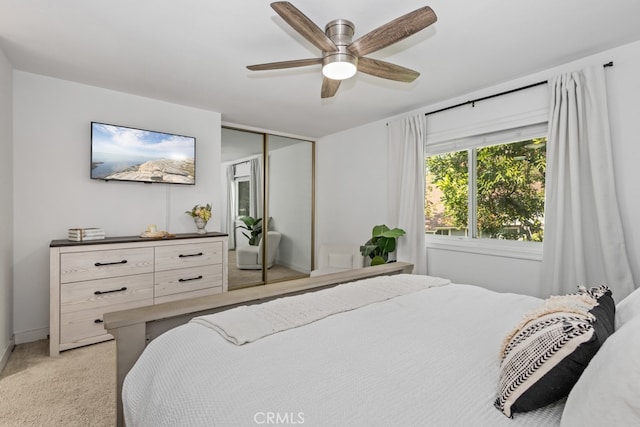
point(510, 183)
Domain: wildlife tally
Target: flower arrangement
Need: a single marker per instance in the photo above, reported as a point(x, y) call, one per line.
point(198, 211)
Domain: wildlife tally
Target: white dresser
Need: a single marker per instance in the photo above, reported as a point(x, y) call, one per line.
point(91, 278)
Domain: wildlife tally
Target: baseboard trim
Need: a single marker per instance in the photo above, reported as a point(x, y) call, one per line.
point(6, 353)
point(30, 336)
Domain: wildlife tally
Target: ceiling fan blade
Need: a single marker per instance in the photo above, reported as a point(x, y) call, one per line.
point(329, 87)
point(305, 26)
point(394, 31)
point(386, 70)
point(285, 64)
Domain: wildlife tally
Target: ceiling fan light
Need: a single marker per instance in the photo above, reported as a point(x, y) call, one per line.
point(339, 66)
point(339, 70)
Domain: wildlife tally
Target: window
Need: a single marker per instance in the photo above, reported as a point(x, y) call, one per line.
point(242, 191)
point(488, 187)
point(242, 180)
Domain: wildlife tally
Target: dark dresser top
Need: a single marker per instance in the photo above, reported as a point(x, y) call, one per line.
point(132, 239)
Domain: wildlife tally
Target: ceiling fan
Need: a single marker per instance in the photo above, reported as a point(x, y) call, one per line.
point(342, 58)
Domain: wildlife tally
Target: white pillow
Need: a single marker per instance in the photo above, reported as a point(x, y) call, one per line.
point(608, 391)
point(628, 308)
point(341, 260)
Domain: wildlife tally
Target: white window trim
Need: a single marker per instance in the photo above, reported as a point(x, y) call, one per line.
point(242, 170)
point(495, 247)
point(473, 244)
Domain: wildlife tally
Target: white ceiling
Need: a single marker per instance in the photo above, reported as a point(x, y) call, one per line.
point(194, 52)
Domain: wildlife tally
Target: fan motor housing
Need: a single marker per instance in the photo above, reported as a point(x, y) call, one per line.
point(341, 32)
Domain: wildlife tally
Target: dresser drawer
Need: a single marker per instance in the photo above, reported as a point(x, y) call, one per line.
point(79, 266)
point(188, 255)
point(102, 293)
point(187, 279)
point(84, 324)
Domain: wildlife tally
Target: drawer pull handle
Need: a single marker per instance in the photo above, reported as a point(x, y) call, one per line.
point(98, 321)
point(124, 288)
point(100, 264)
point(193, 278)
point(188, 255)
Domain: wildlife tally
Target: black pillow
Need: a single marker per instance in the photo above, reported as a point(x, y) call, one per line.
point(545, 356)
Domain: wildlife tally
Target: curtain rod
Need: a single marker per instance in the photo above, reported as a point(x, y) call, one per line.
point(473, 101)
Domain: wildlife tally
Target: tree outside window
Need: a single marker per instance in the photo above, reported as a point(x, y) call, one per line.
point(506, 196)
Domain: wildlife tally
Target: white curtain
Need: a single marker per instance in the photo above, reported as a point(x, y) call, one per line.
point(231, 206)
point(583, 236)
point(406, 188)
point(255, 188)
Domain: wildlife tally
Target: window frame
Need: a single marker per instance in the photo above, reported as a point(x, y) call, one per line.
point(471, 243)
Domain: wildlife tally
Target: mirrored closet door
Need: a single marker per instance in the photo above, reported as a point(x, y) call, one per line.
point(267, 176)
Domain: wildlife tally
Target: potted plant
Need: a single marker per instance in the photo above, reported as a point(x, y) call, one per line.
point(382, 242)
point(254, 226)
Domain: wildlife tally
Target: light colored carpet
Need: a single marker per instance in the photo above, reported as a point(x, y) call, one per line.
point(76, 388)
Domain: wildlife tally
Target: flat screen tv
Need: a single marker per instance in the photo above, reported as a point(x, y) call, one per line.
point(120, 153)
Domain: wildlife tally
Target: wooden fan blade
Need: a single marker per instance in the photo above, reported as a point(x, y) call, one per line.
point(305, 26)
point(329, 87)
point(285, 64)
point(386, 70)
point(394, 31)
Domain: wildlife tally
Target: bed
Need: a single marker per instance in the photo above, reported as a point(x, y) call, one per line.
point(425, 353)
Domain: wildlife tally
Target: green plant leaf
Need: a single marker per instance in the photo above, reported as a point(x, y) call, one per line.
point(378, 230)
point(386, 245)
point(383, 241)
point(368, 250)
point(377, 260)
point(254, 225)
point(248, 221)
point(396, 232)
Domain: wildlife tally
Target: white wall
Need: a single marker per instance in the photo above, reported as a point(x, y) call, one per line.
point(6, 208)
point(53, 191)
point(351, 185)
point(352, 165)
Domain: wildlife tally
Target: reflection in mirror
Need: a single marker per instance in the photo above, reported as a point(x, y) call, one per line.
point(287, 173)
point(290, 207)
point(242, 198)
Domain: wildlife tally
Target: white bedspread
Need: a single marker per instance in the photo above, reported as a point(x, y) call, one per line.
point(246, 324)
point(428, 358)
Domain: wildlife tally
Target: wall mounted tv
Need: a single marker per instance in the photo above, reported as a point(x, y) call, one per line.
point(120, 153)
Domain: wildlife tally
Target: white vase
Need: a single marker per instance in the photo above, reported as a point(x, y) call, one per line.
point(201, 224)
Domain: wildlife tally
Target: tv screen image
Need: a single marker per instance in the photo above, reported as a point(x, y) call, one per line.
point(120, 153)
